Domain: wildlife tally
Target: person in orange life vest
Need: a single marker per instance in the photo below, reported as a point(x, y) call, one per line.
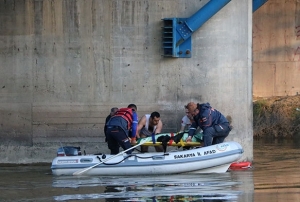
point(148, 125)
point(118, 128)
point(214, 124)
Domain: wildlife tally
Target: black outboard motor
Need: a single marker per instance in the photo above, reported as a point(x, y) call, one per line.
point(68, 151)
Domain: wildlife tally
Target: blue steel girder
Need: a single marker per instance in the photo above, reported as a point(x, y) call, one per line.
point(256, 4)
point(186, 28)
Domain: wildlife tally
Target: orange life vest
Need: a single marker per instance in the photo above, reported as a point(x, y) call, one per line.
point(127, 114)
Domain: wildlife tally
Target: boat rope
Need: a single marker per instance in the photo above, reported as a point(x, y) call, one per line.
point(165, 154)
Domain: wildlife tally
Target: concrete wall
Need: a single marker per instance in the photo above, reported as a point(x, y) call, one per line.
point(276, 49)
point(64, 64)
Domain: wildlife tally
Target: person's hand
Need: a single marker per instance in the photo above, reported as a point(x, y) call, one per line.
point(133, 141)
point(189, 139)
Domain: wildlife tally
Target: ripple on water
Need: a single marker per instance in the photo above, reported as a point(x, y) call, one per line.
point(179, 187)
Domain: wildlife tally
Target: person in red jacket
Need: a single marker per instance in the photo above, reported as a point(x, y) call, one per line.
point(118, 127)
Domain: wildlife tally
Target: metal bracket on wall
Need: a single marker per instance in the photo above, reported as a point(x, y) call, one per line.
point(171, 45)
point(177, 32)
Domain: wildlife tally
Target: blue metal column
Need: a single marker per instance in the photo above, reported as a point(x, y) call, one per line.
point(257, 4)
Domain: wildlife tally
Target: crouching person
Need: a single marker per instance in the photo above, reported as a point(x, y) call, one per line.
point(117, 129)
point(214, 125)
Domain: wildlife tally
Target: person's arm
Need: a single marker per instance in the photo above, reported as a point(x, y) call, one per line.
point(134, 124)
point(206, 119)
point(192, 131)
point(141, 124)
point(158, 127)
point(106, 120)
point(182, 128)
point(183, 124)
point(134, 128)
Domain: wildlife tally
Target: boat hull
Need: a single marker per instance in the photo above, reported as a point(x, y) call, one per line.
point(215, 158)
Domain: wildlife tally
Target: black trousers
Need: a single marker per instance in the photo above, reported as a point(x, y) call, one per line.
point(117, 137)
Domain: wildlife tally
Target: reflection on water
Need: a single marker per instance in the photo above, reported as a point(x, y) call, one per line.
point(176, 187)
point(274, 177)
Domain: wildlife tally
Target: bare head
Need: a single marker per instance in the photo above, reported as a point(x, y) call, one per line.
point(192, 108)
point(154, 118)
point(132, 106)
point(187, 113)
point(113, 111)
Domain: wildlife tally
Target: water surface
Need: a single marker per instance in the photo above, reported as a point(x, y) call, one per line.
point(274, 177)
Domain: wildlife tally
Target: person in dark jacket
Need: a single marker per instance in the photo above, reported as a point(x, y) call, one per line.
point(112, 113)
point(118, 127)
point(214, 124)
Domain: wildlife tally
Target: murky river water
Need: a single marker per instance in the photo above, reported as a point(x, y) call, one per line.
point(275, 176)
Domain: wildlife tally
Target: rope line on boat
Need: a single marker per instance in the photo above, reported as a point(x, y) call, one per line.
point(165, 154)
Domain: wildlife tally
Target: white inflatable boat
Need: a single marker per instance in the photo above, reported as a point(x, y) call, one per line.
point(216, 158)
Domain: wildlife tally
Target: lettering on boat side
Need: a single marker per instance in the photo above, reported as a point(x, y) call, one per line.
point(199, 154)
point(181, 156)
point(67, 161)
point(209, 152)
point(222, 147)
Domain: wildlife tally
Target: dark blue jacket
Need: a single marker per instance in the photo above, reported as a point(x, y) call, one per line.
point(207, 117)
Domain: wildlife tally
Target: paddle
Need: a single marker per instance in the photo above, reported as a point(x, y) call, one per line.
point(79, 172)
